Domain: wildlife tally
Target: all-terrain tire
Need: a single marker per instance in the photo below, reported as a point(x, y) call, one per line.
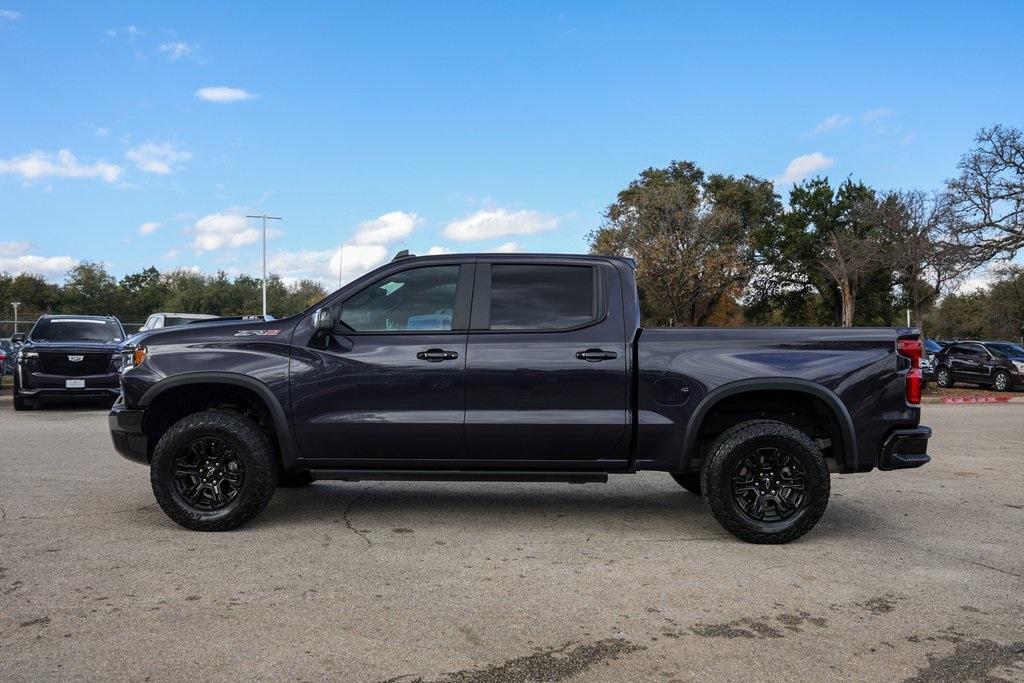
point(944, 377)
point(688, 480)
point(255, 452)
point(18, 400)
point(294, 480)
point(738, 442)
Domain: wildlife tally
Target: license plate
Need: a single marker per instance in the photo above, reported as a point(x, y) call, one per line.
point(74, 383)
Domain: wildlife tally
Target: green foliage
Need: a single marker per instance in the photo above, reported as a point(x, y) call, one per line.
point(995, 312)
point(689, 235)
point(90, 290)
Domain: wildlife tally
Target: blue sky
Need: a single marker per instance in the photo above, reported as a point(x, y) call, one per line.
point(138, 134)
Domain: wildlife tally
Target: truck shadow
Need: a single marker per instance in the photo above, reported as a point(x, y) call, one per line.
point(377, 509)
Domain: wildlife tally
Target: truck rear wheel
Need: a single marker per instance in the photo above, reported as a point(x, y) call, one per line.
point(213, 471)
point(689, 481)
point(765, 482)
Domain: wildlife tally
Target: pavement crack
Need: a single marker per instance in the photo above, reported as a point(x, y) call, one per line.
point(347, 518)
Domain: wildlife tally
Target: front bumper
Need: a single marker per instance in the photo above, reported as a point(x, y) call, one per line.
point(38, 385)
point(905, 448)
point(126, 433)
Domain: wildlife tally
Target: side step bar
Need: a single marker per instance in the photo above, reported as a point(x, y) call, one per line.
point(460, 475)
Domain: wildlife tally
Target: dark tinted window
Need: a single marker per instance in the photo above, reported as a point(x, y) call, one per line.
point(172, 321)
point(541, 297)
point(77, 329)
point(420, 299)
point(1005, 349)
point(972, 350)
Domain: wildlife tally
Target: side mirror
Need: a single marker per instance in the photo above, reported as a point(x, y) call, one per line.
point(323, 320)
point(18, 338)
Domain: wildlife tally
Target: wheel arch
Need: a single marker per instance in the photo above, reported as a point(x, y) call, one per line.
point(275, 412)
point(805, 388)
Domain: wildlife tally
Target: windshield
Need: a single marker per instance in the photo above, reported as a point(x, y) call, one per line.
point(174, 321)
point(1005, 349)
point(77, 329)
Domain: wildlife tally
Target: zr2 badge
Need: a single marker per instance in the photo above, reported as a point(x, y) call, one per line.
point(257, 333)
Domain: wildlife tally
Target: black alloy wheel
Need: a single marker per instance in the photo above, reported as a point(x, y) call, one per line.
point(769, 485)
point(208, 474)
point(1002, 381)
point(214, 470)
point(944, 378)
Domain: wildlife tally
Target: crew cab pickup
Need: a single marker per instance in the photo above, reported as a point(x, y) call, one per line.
point(514, 367)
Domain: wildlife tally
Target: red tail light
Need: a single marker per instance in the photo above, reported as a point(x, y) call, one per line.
point(912, 349)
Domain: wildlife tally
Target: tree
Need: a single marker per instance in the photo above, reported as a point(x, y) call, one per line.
point(918, 232)
point(988, 195)
point(90, 290)
point(828, 246)
point(142, 294)
point(689, 235)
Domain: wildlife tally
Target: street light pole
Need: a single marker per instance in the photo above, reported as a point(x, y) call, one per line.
point(265, 218)
point(15, 304)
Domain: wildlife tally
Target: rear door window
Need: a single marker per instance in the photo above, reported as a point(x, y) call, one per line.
point(541, 297)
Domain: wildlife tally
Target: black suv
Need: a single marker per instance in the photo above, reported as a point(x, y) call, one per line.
point(996, 364)
point(68, 357)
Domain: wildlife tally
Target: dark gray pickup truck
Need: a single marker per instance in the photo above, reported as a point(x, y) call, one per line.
point(514, 367)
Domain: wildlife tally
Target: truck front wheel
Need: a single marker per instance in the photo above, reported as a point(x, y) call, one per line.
point(765, 482)
point(213, 471)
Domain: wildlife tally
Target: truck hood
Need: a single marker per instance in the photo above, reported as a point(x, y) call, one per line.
point(217, 330)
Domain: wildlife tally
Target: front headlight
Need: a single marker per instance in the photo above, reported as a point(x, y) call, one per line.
point(26, 355)
point(1019, 365)
point(133, 356)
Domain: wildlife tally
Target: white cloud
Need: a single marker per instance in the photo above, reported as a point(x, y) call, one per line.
point(229, 229)
point(831, 123)
point(490, 223)
point(388, 228)
point(14, 248)
point(171, 254)
point(148, 228)
point(157, 157)
point(176, 50)
point(15, 259)
point(223, 94)
point(9, 15)
point(803, 166)
point(508, 248)
point(36, 165)
point(132, 32)
point(323, 265)
point(438, 251)
point(875, 114)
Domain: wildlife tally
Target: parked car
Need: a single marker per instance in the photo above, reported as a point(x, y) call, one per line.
point(68, 357)
point(514, 368)
point(160, 320)
point(6, 357)
point(931, 347)
point(995, 364)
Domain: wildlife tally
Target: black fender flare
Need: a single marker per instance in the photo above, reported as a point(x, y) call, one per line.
point(842, 415)
point(282, 426)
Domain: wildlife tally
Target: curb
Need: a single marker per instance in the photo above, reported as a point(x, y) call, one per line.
point(963, 400)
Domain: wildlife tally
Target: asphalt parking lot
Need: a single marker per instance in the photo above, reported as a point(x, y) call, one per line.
point(913, 575)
